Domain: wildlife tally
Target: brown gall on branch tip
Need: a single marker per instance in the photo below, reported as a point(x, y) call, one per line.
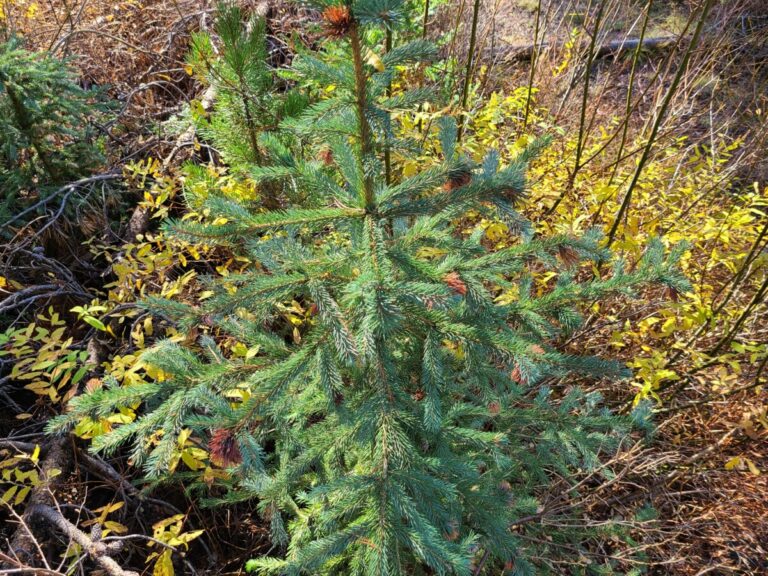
point(224, 449)
point(338, 20)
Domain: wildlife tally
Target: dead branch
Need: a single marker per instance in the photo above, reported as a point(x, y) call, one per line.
point(21, 568)
point(68, 189)
point(55, 466)
point(91, 545)
point(107, 473)
point(615, 47)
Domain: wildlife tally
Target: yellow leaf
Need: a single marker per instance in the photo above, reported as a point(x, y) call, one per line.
point(115, 527)
point(159, 527)
point(108, 509)
point(752, 467)
point(9, 494)
point(239, 350)
point(184, 539)
point(197, 109)
point(409, 169)
point(733, 463)
point(164, 564)
point(192, 463)
point(22, 495)
point(184, 436)
point(430, 252)
point(496, 231)
point(119, 419)
point(373, 59)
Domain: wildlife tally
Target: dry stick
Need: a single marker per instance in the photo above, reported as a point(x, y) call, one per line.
point(534, 56)
point(24, 526)
point(626, 120)
point(605, 86)
point(139, 221)
point(575, 72)
point(488, 32)
point(117, 39)
point(424, 30)
point(468, 71)
point(98, 551)
point(23, 569)
point(107, 473)
point(753, 254)
point(573, 505)
point(60, 27)
point(598, 100)
point(630, 88)
point(64, 189)
point(705, 193)
point(709, 398)
point(674, 42)
point(73, 21)
point(28, 295)
point(118, 540)
point(657, 123)
point(454, 38)
point(624, 125)
point(584, 130)
point(756, 144)
point(760, 369)
point(756, 301)
point(580, 143)
point(674, 474)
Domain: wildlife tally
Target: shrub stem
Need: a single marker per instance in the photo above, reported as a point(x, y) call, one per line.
point(468, 70)
point(657, 123)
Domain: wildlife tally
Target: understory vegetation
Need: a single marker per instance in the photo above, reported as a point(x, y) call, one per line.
point(383, 287)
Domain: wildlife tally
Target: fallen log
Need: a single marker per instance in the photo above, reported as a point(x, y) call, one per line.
point(615, 47)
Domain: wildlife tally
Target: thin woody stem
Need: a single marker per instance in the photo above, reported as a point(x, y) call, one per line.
point(361, 84)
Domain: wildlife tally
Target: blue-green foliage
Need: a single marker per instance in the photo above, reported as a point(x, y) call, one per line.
point(47, 138)
point(416, 424)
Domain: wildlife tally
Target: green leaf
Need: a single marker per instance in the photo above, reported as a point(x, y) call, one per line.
point(95, 322)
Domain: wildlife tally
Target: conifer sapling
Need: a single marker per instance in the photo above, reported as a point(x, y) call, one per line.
point(418, 417)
